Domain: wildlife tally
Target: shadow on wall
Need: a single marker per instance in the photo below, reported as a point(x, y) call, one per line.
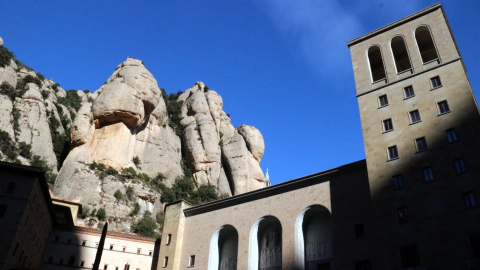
point(413, 201)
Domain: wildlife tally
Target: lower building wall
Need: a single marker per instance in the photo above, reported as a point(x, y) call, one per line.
point(199, 229)
point(77, 248)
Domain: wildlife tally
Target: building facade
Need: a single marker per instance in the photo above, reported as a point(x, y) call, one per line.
point(76, 247)
point(420, 123)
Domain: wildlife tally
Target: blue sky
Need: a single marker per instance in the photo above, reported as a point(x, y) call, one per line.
point(281, 66)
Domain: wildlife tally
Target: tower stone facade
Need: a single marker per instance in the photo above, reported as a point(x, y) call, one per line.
point(420, 124)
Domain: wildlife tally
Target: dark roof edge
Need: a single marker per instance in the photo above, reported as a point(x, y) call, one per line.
point(269, 191)
point(394, 24)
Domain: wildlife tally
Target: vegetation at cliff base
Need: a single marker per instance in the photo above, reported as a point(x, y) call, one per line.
point(146, 226)
point(174, 109)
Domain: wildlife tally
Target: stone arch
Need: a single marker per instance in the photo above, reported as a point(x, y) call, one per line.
point(313, 238)
point(375, 60)
point(265, 248)
point(426, 45)
point(223, 249)
point(400, 54)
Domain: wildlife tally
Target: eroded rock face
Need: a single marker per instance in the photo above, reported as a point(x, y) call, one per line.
point(130, 95)
point(8, 74)
point(208, 136)
point(254, 140)
point(125, 118)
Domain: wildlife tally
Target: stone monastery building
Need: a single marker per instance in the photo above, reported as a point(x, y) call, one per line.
point(410, 205)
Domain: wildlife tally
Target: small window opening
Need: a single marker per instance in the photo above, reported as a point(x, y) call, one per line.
point(169, 238)
point(425, 44)
point(436, 82)
point(400, 54)
point(165, 261)
point(3, 208)
point(11, 187)
point(410, 256)
point(460, 166)
point(421, 144)
point(359, 231)
point(382, 101)
point(392, 152)
point(408, 92)
point(398, 182)
point(191, 261)
point(363, 265)
point(376, 64)
point(443, 107)
point(428, 174)
point(402, 214)
point(451, 135)
point(469, 199)
point(71, 261)
point(387, 125)
point(415, 117)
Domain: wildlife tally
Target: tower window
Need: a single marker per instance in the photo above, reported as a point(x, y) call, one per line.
point(443, 107)
point(421, 144)
point(425, 44)
point(10, 187)
point(165, 261)
point(410, 256)
point(451, 135)
point(408, 92)
point(359, 231)
point(392, 152)
point(398, 181)
point(377, 68)
point(3, 208)
point(414, 117)
point(436, 82)
point(191, 261)
point(387, 125)
point(428, 174)
point(363, 265)
point(382, 101)
point(460, 166)
point(400, 54)
point(475, 244)
point(402, 214)
point(169, 239)
point(469, 199)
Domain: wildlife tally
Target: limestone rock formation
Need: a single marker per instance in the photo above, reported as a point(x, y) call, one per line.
point(129, 96)
point(209, 136)
point(116, 146)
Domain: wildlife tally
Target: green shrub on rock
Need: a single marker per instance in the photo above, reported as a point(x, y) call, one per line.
point(101, 214)
point(118, 195)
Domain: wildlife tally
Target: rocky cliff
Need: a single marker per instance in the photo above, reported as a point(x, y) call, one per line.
point(126, 146)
